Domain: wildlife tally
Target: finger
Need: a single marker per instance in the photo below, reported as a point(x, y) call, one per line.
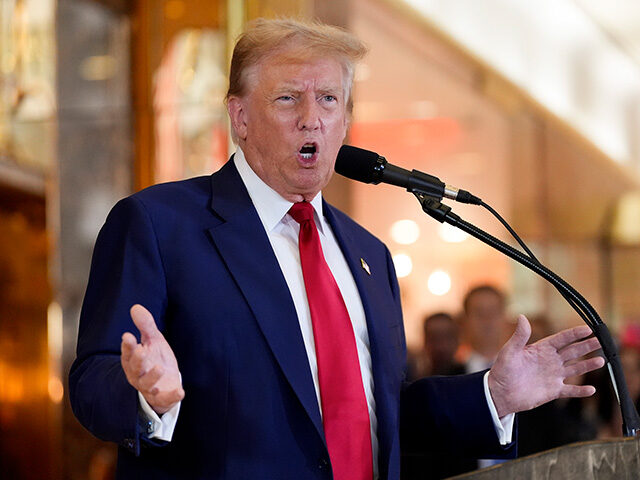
point(147, 381)
point(143, 319)
point(137, 363)
point(171, 397)
point(584, 366)
point(579, 349)
point(566, 337)
point(127, 346)
point(521, 334)
point(164, 401)
point(569, 391)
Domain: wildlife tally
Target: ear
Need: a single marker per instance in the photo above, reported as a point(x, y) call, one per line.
point(237, 115)
point(346, 123)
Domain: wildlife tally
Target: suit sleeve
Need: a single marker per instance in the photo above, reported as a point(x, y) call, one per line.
point(126, 269)
point(450, 413)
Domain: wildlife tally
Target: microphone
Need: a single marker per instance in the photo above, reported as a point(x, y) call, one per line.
point(369, 167)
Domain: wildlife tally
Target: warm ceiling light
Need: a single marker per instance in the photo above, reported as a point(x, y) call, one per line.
point(451, 234)
point(439, 282)
point(405, 232)
point(403, 264)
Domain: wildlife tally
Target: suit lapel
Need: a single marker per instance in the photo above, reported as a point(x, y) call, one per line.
point(244, 246)
point(377, 328)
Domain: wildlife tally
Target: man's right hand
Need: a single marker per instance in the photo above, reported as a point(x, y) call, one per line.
point(151, 366)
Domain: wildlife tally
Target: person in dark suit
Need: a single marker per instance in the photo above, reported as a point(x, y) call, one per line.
point(441, 339)
point(237, 326)
point(437, 357)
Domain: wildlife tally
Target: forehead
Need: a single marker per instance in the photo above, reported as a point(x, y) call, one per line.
point(438, 324)
point(294, 68)
point(484, 297)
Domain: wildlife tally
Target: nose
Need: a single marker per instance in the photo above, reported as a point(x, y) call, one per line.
point(309, 115)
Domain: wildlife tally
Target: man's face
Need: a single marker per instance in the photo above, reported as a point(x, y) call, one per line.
point(485, 318)
point(441, 341)
point(291, 123)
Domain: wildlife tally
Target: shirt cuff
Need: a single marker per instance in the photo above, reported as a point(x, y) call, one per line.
point(504, 425)
point(159, 427)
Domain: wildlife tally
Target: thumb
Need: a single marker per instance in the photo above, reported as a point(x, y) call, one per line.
point(143, 319)
point(521, 334)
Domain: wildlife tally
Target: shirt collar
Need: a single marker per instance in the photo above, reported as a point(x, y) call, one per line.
point(269, 204)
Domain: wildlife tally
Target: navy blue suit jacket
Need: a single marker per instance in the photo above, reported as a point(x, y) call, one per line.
point(196, 255)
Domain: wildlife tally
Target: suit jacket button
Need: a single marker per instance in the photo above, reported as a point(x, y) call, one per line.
point(323, 463)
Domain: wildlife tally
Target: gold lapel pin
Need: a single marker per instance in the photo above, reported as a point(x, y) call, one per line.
point(365, 267)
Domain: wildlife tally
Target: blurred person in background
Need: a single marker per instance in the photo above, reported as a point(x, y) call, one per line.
point(441, 339)
point(484, 324)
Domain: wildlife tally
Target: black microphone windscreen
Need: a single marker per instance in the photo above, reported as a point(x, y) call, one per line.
point(357, 164)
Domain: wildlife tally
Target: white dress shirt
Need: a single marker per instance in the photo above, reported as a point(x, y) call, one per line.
point(282, 231)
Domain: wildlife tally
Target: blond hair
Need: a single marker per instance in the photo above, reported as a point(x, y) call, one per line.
point(263, 38)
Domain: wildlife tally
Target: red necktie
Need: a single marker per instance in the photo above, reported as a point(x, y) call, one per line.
point(344, 406)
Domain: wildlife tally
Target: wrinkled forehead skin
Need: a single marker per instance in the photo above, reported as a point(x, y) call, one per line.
point(292, 53)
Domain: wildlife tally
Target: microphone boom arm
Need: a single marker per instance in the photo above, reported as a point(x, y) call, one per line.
point(630, 419)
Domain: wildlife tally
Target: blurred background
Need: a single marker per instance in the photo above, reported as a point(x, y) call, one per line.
point(533, 106)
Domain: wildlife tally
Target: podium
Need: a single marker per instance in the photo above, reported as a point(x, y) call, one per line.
point(617, 459)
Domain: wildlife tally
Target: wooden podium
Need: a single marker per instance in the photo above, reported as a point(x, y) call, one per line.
point(617, 459)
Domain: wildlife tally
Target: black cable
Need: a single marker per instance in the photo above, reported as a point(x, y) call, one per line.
point(513, 233)
point(604, 337)
point(630, 418)
point(511, 230)
point(443, 213)
point(580, 304)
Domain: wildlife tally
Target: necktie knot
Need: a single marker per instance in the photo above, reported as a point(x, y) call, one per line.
point(301, 212)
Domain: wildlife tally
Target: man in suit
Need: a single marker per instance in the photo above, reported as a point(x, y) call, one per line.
point(484, 322)
point(267, 329)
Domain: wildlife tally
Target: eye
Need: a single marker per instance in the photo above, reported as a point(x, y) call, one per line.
point(329, 98)
point(285, 98)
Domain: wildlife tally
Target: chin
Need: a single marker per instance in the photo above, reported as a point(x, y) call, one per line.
point(309, 180)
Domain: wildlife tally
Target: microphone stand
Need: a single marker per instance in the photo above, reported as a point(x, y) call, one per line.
point(630, 419)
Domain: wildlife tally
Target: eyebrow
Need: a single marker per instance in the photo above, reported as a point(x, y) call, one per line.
point(292, 88)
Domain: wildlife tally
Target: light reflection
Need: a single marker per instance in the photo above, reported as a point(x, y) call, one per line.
point(54, 330)
point(56, 389)
point(405, 232)
point(403, 264)
point(439, 282)
point(451, 234)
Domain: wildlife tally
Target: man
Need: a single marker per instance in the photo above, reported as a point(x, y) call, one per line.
point(243, 285)
point(484, 324)
point(440, 344)
point(437, 357)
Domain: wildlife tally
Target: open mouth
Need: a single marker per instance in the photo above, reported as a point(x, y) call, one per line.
point(308, 150)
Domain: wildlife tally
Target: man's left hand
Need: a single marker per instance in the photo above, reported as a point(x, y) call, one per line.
point(526, 376)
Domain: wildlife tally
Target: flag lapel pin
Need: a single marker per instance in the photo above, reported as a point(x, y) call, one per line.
point(365, 266)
